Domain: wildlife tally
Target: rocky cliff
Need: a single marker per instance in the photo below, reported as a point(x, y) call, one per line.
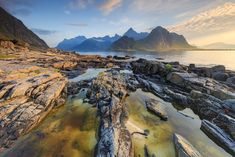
point(13, 29)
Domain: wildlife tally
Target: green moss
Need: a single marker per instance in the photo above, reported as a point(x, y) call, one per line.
point(37, 71)
point(168, 67)
point(6, 56)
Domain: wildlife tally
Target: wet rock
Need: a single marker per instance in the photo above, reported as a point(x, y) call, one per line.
point(179, 97)
point(231, 80)
point(230, 104)
point(148, 67)
point(196, 94)
point(156, 89)
point(218, 68)
point(121, 57)
point(108, 91)
point(220, 76)
point(180, 79)
point(191, 81)
point(227, 123)
point(156, 108)
point(219, 136)
point(184, 148)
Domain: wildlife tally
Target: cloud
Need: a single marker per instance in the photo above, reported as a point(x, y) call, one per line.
point(78, 24)
point(18, 7)
point(218, 19)
point(110, 5)
point(43, 31)
point(80, 4)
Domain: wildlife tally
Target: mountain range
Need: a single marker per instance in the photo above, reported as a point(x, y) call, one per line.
point(13, 29)
point(131, 33)
point(158, 39)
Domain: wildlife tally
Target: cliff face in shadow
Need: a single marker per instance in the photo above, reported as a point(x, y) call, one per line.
point(13, 29)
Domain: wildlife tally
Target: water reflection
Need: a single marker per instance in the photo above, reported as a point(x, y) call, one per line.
point(159, 140)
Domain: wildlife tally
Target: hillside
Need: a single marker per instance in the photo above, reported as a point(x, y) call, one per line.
point(13, 29)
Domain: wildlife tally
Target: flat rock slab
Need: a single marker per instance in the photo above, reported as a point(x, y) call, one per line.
point(184, 148)
point(27, 95)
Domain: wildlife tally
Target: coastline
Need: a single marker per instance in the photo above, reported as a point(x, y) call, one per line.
point(170, 81)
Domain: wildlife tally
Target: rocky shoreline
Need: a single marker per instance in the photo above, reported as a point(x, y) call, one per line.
point(34, 82)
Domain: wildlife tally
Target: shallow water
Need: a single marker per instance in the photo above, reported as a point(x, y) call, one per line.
point(201, 58)
point(71, 130)
point(89, 74)
point(160, 140)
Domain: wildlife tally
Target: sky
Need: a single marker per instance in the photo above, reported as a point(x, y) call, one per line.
point(200, 21)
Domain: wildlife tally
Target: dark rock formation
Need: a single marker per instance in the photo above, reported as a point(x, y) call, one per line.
point(108, 92)
point(13, 29)
point(219, 136)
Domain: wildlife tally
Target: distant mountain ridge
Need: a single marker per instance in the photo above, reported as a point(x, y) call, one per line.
point(69, 44)
point(13, 29)
point(218, 45)
point(159, 39)
point(131, 33)
point(82, 43)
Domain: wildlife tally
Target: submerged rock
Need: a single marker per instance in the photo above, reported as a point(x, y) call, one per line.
point(156, 108)
point(184, 148)
point(219, 136)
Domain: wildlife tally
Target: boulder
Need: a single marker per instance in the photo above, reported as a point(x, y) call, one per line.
point(218, 68)
point(218, 136)
point(148, 67)
point(220, 76)
point(205, 71)
point(180, 78)
point(184, 148)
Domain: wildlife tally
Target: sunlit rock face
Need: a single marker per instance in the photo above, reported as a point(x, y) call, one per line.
point(28, 93)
